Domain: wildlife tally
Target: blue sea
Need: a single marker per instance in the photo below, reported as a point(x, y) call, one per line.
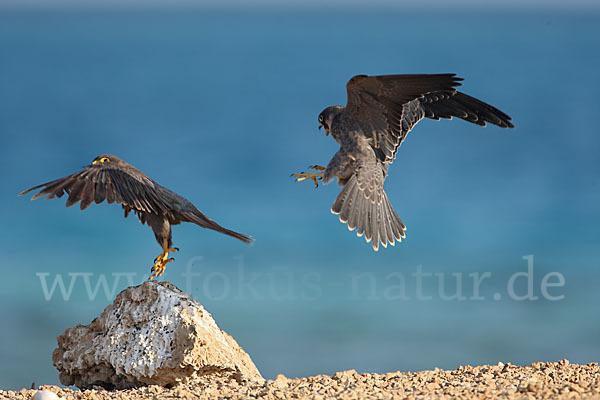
point(502, 255)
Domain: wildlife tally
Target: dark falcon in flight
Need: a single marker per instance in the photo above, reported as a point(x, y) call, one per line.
point(112, 179)
point(380, 112)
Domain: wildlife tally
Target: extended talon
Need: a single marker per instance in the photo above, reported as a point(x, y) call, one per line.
point(160, 262)
point(317, 167)
point(302, 176)
point(160, 267)
point(166, 252)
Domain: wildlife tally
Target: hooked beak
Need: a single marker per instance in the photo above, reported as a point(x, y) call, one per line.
point(326, 129)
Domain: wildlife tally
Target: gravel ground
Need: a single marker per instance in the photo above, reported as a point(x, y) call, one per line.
point(560, 380)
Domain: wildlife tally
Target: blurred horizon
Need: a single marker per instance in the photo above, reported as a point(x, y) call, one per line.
point(341, 5)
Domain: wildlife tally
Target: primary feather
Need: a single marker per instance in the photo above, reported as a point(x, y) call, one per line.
point(379, 114)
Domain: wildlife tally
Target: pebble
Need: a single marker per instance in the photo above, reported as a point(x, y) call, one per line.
point(538, 380)
point(280, 382)
point(45, 395)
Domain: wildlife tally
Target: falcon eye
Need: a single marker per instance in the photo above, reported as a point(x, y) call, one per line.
point(320, 118)
point(102, 160)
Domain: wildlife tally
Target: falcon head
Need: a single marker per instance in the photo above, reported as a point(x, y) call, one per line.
point(327, 116)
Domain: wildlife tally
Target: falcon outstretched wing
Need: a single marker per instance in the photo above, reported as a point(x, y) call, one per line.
point(387, 107)
point(133, 190)
point(98, 183)
point(465, 107)
point(378, 104)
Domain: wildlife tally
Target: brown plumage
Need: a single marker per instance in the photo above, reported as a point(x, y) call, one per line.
point(112, 179)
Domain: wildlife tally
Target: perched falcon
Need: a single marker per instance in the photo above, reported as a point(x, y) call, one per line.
point(380, 112)
point(112, 179)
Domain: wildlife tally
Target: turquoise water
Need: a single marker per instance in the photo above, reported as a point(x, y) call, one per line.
point(221, 106)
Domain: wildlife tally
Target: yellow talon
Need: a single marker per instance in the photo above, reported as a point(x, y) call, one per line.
point(165, 253)
point(160, 262)
point(302, 176)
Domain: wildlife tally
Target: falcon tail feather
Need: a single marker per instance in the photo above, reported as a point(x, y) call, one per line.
point(202, 220)
point(376, 220)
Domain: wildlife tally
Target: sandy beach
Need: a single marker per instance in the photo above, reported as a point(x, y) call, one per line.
point(542, 380)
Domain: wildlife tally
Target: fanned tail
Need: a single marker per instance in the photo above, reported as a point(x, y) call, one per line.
point(377, 221)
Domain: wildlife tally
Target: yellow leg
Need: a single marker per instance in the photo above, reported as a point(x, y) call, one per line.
point(160, 262)
point(302, 176)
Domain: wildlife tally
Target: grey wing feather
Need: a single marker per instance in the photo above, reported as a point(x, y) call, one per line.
point(395, 89)
point(112, 185)
point(465, 107)
point(140, 193)
point(412, 113)
point(133, 190)
point(387, 107)
point(445, 105)
point(377, 105)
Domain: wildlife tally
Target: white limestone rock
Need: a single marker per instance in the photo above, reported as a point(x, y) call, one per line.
point(153, 334)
